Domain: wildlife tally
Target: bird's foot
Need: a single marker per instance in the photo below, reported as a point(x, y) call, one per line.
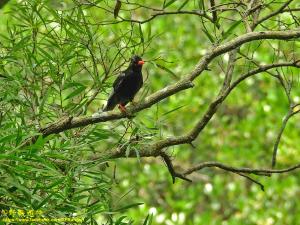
point(122, 108)
point(127, 113)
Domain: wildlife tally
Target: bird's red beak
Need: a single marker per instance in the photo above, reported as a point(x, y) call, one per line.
point(141, 62)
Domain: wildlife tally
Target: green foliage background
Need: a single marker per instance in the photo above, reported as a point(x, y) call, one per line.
point(55, 56)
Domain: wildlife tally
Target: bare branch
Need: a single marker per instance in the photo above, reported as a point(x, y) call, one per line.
point(263, 68)
point(291, 10)
point(241, 171)
point(171, 169)
point(214, 13)
point(158, 14)
point(230, 45)
point(230, 69)
point(259, 172)
point(280, 10)
point(292, 111)
point(262, 187)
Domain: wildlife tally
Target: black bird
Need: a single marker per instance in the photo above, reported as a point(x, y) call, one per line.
point(127, 84)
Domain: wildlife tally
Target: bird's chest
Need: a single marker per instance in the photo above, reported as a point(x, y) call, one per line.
point(131, 85)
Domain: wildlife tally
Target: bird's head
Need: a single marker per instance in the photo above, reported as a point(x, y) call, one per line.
point(137, 62)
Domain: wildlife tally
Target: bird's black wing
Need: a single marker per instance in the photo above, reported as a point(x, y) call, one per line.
point(114, 98)
point(119, 80)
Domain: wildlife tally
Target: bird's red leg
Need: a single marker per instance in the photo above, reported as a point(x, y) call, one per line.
point(122, 108)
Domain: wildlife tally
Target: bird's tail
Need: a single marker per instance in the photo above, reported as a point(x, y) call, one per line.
point(111, 103)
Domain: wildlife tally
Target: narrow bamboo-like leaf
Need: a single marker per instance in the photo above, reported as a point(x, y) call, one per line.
point(231, 29)
point(210, 37)
point(169, 3)
point(21, 43)
point(119, 221)
point(167, 70)
point(45, 201)
point(55, 183)
point(45, 53)
point(128, 206)
point(44, 99)
point(183, 4)
point(72, 84)
point(173, 110)
point(148, 220)
point(141, 33)
point(75, 92)
point(164, 3)
point(148, 30)
point(201, 5)
point(8, 138)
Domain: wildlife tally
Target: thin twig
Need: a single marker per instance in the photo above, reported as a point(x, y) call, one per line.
point(171, 169)
point(278, 11)
point(259, 172)
point(262, 187)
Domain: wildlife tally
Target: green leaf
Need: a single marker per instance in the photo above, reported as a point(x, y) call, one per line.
point(95, 135)
point(168, 71)
point(183, 4)
point(210, 37)
point(148, 30)
point(45, 201)
point(148, 220)
point(21, 44)
point(201, 5)
point(8, 138)
point(169, 3)
point(43, 101)
point(231, 29)
point(72, 84)
point(119, 221)
point(75, 92)
point(45, 53)
point(173, 110)
point(141, 33)
point(128, 207)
